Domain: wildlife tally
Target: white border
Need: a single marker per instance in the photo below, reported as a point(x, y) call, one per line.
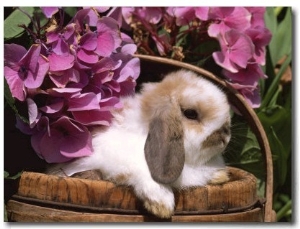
point(174, 3)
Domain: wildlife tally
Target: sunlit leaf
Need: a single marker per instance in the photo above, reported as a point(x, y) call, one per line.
point(16, 18)
point(14, 177)
point(280, 44)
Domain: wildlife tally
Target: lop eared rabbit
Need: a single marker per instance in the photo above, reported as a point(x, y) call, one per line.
point(171, 135)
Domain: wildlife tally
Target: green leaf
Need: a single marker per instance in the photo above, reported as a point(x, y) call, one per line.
point(285, 210)
point(9, 100)
point(243, 150)
point(7, 94)
point(7, 176)
point(271, 19)
point(272, 90)
point(277, 124)
point(281, 43)
point(71, 11)
point(278, 119)
point(280, 161)
point(12, 22)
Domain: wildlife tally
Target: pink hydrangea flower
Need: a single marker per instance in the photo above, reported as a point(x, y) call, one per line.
point(236, 51)
point(183, 15)
point(49, 11)
point(149, 14)
point(250, 93)
point(65, 140)
point(202, 13)
point(227, 18)
point(86, 48)
point(257, 16)
point(108, 36)
point(260, 37)
point(85, 67)
point(60, 41)
point(60, 62)
point(89, 15)
point(248, 77)
point(24, 69)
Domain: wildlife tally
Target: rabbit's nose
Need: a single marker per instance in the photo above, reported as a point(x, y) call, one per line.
point(226, 129)
point(219, 137)
point(225, 133)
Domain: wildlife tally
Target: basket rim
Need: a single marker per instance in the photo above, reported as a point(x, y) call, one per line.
point(33, 189)
point(241, 104)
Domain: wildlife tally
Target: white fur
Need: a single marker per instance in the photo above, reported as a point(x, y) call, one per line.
point(119, 149)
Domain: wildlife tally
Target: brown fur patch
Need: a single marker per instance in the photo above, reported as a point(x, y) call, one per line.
point(158, 98)
point(121, 179)
point(218, 136)
point(220, 177)
point(158, 209)
point(185, 93)
point(89, 174)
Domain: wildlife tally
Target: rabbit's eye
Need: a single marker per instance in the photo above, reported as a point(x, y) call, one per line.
point(190, 114)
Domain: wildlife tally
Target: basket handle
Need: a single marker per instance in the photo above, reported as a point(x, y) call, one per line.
point(240, 103)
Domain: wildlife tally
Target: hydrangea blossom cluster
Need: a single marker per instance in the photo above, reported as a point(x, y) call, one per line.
point(71, 80)
point(239, 31)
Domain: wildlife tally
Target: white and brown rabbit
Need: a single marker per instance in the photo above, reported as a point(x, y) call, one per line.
point(171, 135)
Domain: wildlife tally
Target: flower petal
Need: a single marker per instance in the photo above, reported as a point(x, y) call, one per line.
point(67, 141)
point(32, 112)
point(108, 36)
point(88, 41)
point(35, 77)
point(76, 140)
point(241, 47)
point(87, 56)
point(224, 62)
point(183, 15)
point(202, 13)
point(15, 84)
point(93, 117)
point(53, 107)
point(60, 62)
point(13, 53)
point(49, 11)
point(83, 102)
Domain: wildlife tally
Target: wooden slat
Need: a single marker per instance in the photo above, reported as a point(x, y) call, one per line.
point(22, 212)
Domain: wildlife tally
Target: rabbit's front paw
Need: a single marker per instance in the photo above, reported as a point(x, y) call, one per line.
point(158, 199)
point(159, 209)
point(219, 177)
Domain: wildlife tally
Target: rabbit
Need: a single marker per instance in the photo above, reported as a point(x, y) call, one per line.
point(171, 135)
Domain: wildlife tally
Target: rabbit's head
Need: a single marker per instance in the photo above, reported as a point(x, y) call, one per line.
point(189, 122)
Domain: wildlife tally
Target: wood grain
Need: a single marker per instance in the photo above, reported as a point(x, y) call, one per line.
point(22, 212)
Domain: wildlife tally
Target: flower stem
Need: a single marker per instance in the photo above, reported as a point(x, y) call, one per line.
point(31, 19)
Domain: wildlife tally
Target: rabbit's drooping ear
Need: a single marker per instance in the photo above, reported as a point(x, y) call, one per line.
point(164, 149)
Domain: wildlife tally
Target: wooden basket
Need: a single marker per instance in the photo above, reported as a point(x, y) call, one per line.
point(46, 198)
